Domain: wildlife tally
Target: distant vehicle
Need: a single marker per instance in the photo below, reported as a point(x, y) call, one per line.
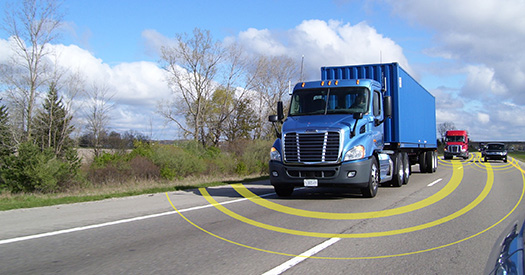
point(456, 144)
point(482, 149)
point(507, 256)
point(495, 151)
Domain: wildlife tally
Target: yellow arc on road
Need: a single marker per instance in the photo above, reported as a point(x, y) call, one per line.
point(470, 206)
point(370, 257)
point(457, 176)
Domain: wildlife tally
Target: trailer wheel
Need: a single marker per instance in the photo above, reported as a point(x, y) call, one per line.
point(284, 190)
point(435, 166)
point(429, 159)
point(407, 167)
point(423, 162)
point(399, 171)
point(373, 183)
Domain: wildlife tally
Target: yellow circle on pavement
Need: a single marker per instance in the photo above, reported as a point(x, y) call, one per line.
point(457, 176)
point(470, 206)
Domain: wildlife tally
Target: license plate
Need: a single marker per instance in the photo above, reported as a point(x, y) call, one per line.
point(310, 183)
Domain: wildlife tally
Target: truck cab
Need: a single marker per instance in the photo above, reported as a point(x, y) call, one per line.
point(332, 136)
point(456, 144)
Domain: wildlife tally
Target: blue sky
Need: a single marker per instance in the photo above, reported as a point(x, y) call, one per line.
point(468, 54)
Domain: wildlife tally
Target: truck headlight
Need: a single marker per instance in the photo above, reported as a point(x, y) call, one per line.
point(274, 154)
point(358, 152)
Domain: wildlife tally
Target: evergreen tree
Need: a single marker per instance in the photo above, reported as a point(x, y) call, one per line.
point(53, 125)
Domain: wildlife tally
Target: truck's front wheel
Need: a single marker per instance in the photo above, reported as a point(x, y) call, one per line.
point(373, 183)
point(284, 190)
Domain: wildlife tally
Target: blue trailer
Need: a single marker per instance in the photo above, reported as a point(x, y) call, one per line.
point(359, 126)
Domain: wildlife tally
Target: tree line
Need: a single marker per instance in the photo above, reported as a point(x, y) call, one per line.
point(221, 95)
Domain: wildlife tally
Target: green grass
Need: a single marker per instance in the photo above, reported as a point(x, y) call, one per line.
point(518, 155)
point(16, 201)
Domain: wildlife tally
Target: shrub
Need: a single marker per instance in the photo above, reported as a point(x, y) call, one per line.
point(175, 162)
point(34, 170)
point(256, 156)
point(144, 168)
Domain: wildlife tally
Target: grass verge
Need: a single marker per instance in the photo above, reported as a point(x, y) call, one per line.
point(16, 201)
point(518, 155)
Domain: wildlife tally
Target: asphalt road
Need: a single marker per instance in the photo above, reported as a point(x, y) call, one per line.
point(440, 223)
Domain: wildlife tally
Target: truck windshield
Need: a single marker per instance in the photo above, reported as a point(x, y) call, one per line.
point(455, 139)
point(496, 147)
point(348, 100)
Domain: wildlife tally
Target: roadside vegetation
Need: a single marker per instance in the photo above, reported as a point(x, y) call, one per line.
point(148, 168)
point(518, 155)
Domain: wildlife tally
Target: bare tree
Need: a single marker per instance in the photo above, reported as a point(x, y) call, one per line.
point(444, 127)
point(205, 77)
point(32, 26)
point(97, 114)
point(227, 116)
point(272, 80)
point(192, 65)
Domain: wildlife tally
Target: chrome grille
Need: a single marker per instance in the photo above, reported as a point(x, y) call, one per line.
point(454, 148)
point(311, 147)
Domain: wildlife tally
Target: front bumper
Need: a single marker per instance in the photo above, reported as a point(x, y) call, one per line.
point(326, 175)
point(495, 156)
point(456, 154)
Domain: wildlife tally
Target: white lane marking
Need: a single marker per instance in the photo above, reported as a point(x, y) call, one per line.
point(296, 260)
point(434, 182)
point(82, 228)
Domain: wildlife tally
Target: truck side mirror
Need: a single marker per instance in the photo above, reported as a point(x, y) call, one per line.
point(280, 112)
point(387, 106)
point(277, 118)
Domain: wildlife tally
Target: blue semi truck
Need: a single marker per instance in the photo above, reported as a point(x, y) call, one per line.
point(358, 127)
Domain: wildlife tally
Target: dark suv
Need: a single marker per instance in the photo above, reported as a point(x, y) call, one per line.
point(495, 151)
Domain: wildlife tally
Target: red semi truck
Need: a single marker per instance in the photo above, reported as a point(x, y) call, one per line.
point(456, 144)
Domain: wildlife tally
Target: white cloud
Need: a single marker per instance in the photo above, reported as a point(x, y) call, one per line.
point(261, 41)
point(136, 88)
point(485, 38)
point(483, 118)
point(153, 41)
point(481, 82)
point(325, 44)
point(5, 51)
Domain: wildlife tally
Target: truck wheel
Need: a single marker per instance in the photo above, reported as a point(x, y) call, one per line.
point(429, 159)
point(435, 166)
point(423, 162)
point(399, 171)
point(373, 183)
point(284, 190)
point(407, 167)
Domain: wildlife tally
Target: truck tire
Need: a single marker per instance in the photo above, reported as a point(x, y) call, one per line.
point(423, 162)
point(429, 159)
point(407, 167)
point(284, 190)
point(373, 183)
point(436, 162)
point(399, 171)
